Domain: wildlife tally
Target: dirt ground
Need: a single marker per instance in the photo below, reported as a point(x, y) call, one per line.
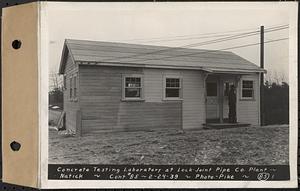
point(247, 145)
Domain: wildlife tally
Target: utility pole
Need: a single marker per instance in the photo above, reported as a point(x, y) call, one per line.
point(262, 115)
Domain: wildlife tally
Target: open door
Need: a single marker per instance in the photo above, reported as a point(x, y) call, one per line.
point(227, 84)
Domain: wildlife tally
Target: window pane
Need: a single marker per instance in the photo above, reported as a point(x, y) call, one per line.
point(70, 82)
point(132, 92)
point(172, 82)
point(138, 80)
point(247, 93)
point(75, 92)
point(132, 82)
point(168, 82)
point(71, 88)
point(177, 83)
point(70, 92)
point(65, 82)
point(247, 84)
point(211, 89)
point(172, 92)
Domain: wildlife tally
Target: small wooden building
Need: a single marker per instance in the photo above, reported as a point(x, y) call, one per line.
point(119, 86)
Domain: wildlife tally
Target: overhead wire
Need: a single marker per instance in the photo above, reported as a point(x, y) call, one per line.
point(188, 35)
point(232, 37)
point(200, 37)
point(145, 40)
point(211, 51)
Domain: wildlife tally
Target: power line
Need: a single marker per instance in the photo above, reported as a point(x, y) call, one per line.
point(247, 45)
point(180, 36)
point(232, 37)
point(199, 35)
point(174, 48)
point(187, 38)
point(229, 48)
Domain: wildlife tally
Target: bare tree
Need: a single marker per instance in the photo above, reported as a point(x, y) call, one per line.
point(269, 77)
point(282, 77)
point(55, 81)
point(276, 77)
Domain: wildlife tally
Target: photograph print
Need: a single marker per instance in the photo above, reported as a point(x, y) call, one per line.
point(162, 84)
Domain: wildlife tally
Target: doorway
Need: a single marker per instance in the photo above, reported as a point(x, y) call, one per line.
point(217, 91)
point(226, 87)
point(212, 102)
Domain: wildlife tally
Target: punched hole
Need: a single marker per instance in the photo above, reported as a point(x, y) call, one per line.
point(16, 44)
point(15, 146)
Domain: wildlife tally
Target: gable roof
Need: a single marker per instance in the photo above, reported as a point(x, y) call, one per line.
point(133, 55)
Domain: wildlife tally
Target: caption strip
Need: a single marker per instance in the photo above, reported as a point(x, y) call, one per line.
point(168, 172)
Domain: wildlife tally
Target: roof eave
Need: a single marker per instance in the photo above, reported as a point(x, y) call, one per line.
point(121, 64)
point(63, 59)
point(210, 70)
point(240, 71)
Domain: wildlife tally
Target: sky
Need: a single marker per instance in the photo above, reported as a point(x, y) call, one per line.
point(175, 25)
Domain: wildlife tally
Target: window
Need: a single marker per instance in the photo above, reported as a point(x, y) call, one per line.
point(65, 82)
point(247, 89)
point(132, 87)
point(75, 86)
point(173, 88)
point(71, 92)
point(211, 89)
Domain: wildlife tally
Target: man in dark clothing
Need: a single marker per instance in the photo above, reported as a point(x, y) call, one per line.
point(232, 104)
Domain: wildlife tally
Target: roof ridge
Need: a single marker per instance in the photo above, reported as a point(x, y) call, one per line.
point(147, 45)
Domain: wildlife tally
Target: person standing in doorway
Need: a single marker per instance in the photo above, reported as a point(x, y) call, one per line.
point(232, 104)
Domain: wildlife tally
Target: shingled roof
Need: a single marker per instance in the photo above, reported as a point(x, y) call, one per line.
point(86, 52)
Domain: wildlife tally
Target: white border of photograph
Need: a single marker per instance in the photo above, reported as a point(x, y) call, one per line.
point(43, 86)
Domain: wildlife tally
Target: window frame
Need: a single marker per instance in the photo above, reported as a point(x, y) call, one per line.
point(165, 87)
point(253, 90)
point(73, 83)
point(124, 98)
point(64, 82)
point(75, 88)
point(71, 89)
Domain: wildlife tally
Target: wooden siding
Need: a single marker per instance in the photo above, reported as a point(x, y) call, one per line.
point(193, 107)
point(153, 81)
point(147, 115)
point(70, 107)
point(248, 110)
point(102, 107)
